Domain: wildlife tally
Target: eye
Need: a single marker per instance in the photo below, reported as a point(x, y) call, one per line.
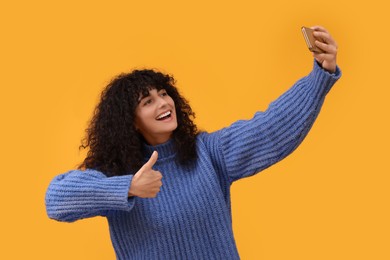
point(163, 93)
point(148, 101)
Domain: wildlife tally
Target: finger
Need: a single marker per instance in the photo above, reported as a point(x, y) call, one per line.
point(322, 46)
point(155, 176)
point(319, 28)
point(152, 160)
point(324, 37)
point(327, 48)
point(153, 193)
point(320, 57)
point(158, 175)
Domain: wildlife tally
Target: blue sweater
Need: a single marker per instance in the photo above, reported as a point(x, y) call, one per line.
point(191, 217)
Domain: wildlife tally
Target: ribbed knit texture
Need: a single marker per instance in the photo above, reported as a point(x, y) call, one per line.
point(191, 216)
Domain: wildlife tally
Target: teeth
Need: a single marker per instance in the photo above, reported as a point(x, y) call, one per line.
point(163, 115)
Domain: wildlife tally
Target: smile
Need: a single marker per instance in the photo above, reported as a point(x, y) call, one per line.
point(164, 115)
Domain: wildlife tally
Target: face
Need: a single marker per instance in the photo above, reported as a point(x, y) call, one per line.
point(155, 117)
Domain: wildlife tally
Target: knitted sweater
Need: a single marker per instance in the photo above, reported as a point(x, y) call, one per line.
point(191, 216)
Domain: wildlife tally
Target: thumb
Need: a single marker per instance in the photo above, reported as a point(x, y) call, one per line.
point(152, 160)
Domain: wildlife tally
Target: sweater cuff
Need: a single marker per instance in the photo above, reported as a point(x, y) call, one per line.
point(323, 77)
point(336, 75)
point(112, 192)
point(116, 192)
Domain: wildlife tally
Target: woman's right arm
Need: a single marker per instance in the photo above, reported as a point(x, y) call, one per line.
point(82, 194)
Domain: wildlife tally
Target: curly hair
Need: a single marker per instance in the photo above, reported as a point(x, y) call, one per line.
point(115, 147)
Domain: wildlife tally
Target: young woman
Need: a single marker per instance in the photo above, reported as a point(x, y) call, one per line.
point(142, 130)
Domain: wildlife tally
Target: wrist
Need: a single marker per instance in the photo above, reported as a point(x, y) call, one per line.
point(328, 68)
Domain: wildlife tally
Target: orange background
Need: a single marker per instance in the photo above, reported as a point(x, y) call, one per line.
point(328, 200)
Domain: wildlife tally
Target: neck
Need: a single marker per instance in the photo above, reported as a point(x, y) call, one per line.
point(157, 140)
point(164, 150)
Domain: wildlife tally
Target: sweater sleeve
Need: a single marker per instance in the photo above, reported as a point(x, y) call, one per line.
point(250, 146)
point(81, 194)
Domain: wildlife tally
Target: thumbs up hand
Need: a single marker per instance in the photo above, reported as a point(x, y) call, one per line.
point(146, 182)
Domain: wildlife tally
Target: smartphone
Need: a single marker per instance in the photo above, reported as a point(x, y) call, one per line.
point(309, 38)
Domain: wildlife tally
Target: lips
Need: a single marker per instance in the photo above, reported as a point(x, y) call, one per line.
point(164, 115)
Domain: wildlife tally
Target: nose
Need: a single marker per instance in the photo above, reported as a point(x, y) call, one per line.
point(162, 102)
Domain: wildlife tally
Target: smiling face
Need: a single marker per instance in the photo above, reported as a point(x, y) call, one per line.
point(155, 116)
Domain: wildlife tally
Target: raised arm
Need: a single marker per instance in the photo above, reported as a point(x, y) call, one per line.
point(253, 145)
point(249, 146)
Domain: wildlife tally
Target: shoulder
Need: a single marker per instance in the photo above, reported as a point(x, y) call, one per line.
point(205, 137)
point(209, 142)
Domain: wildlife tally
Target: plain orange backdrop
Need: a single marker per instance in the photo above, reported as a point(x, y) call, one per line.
point(328, 200)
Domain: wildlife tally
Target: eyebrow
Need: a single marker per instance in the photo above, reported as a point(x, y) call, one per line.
point(144, 96)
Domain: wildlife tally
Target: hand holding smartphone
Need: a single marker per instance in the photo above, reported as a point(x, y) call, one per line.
point(310, 39)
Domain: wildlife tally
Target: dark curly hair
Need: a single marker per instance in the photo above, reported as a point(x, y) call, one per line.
point(115, 147)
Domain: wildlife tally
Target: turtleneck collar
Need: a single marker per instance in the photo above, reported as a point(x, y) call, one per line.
point(164, 150)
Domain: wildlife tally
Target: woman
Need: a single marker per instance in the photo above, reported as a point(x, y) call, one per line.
point(142, 130)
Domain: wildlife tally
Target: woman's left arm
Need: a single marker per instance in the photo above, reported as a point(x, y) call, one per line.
point(247, 147)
